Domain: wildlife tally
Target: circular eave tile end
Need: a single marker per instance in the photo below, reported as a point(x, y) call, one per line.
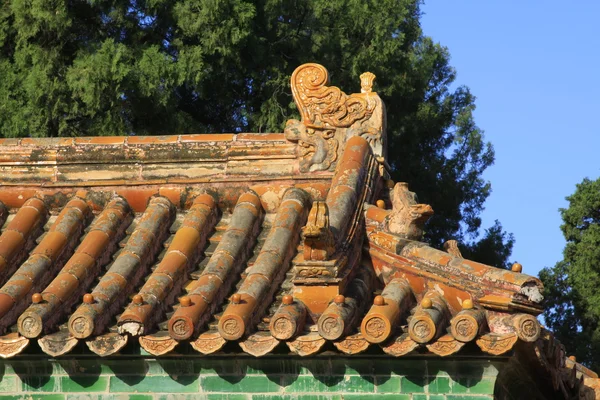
point(231, 327)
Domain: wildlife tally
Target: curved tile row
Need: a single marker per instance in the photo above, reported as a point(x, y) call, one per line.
point(222, 268)
point(204, 256)
point(19, 236)
point(132, 263)
point(48, 257)
point(267, 273)
point(78, 273)
point(171, 273)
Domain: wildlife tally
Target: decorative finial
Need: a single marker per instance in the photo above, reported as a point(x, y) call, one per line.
point(426, 303)
point(138, 299)
point(88, 298)
point(381, 204)
point(366, 82)
point(516, 267)
point(319, 243)
point(379, 300)
point(185, 301)
point(451, 247)
point(467, 304)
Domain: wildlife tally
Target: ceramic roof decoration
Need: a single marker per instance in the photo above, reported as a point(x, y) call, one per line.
point(296, 240)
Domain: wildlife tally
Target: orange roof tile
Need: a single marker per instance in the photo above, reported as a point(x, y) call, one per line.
point(256, 239)
point(212, 263)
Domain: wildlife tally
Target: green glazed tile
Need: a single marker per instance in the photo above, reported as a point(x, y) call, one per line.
point(8, 384)
point(112, 396)
point(84, 384)
point(460, 385)
point(227, 396)
point(40, 384)
point(439, 385)
point(483, 386)
point(305, 396)
point(413, 384)
point(347, 384)
point(387, 384)
point(233, 384)
point(478, 368)
point(474, 385)
point(154, 384)
point(128, 367)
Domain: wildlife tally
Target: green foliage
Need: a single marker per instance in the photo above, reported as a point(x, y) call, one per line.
point(110, 67)
point(572, 296)
point(494, 248)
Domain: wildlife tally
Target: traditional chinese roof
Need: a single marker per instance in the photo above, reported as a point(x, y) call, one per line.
point(296, 240)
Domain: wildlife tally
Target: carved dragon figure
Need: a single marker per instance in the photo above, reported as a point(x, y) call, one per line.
point(330, 117)
point(318, 151)
point(408, 217)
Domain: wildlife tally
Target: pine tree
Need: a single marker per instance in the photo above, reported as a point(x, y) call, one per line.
point(572, 297)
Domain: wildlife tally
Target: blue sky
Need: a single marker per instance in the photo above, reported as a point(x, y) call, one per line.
point(535, 69)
